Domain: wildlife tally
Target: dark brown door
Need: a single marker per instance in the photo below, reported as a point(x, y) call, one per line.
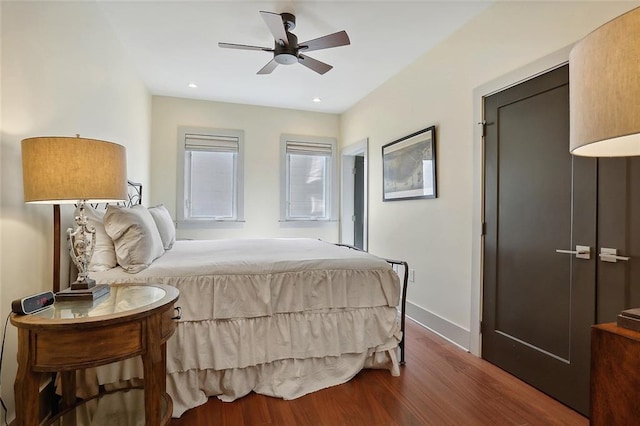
point(618, 284)
point(358, 202)
point(538, 304)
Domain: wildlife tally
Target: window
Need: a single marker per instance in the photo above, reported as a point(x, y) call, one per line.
point(308, 178)
point(210, 170)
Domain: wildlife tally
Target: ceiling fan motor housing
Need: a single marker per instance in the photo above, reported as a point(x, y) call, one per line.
point(286, 54)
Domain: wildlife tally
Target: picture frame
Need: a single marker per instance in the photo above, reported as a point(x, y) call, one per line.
point(409, 167)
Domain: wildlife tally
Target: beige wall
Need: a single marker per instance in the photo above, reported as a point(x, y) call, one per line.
point(438, 237)
point(63, 72)
point(262, 129)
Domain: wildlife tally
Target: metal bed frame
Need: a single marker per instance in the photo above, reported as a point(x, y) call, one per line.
point(134, 196)
point(405, 281)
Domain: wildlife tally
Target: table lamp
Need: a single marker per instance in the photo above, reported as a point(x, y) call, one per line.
point(67, 170)
point(604, 90)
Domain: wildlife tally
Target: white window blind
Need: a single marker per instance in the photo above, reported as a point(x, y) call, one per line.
point(308, 179)
point(308, 148)
point(210, 189)
point(212, 178)
point(194, 142)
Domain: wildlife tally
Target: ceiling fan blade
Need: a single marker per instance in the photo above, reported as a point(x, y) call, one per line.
point(268, 69)
point(276, 26)
point(244, 47)
point(332, 40)
point(314, 64)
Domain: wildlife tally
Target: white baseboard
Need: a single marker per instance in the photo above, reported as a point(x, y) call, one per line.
point(446, 329)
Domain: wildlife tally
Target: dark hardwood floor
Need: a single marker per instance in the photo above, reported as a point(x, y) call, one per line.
point(440, 385)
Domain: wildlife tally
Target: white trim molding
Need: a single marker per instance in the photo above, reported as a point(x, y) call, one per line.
point(445, 329)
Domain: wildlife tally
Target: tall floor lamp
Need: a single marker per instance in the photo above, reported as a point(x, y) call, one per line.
point(68, 170)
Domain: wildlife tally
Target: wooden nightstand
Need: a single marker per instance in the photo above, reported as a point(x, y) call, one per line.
point(71, 335)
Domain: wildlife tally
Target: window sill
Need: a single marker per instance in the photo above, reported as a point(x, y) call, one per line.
point(210, 224)
point(307, 223)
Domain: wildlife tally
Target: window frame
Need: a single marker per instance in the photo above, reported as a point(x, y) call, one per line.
point(238, 208)
point(332, 186)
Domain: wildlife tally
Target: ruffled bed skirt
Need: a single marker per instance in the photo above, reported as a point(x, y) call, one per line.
point(285, 355)
point(287, 379)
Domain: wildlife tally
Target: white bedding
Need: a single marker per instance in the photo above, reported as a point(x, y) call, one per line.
point(282, 317)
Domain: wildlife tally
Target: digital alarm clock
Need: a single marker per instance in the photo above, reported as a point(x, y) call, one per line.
point(32, 304)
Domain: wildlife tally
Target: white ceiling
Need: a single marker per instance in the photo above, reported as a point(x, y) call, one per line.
point(172, 44)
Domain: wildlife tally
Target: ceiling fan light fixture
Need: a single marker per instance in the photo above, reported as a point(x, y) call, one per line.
point(286, 59)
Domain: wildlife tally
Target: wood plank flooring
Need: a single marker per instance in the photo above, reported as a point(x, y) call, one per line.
point(440, 385)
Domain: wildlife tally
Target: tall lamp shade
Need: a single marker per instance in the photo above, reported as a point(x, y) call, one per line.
point(604, 90)
point(61, 170)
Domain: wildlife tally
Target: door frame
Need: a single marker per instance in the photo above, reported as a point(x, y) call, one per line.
point(527, 72)
point(347, 156)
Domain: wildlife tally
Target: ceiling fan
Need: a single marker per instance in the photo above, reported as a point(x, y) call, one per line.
point(286, 49)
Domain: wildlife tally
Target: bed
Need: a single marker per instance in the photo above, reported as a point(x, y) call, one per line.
point(280, 317)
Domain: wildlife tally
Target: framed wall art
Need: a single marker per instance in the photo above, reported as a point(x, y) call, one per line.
point(409, 166)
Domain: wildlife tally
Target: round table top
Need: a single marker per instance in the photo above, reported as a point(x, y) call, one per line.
point(123, 302)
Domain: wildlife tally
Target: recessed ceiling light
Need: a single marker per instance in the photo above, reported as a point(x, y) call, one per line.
point(317, 99)
point(192, 85)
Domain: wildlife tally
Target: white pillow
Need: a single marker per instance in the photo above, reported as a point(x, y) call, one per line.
point(104, 254)
point(135, 237)
point(165, 225)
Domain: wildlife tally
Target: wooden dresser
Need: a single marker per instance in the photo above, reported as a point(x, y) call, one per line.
point(615, 375)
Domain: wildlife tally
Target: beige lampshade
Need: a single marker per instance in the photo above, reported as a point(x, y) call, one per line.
point(604, 90)
point(60, 170)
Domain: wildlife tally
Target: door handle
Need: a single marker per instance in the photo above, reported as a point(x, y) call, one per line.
point(581, 252)
point(611, 255)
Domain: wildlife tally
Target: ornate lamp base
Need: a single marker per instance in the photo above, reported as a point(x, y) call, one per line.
point(91, 293)
point(85, 283)
point(82, 241)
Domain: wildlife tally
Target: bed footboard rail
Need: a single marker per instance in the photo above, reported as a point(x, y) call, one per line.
point(403, 302)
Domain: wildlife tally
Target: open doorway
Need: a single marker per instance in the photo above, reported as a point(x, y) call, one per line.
point(354, 202)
